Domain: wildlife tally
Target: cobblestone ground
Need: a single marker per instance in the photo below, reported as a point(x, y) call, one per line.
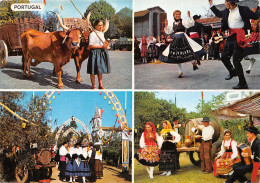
point(42, 78)
point(210, 75)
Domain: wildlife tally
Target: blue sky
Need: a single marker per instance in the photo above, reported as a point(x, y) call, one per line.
point(70, 12)
point(187, 99)
point(199, 7)
point(82, 105)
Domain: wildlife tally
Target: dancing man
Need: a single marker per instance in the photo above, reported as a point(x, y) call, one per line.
point(235, 19)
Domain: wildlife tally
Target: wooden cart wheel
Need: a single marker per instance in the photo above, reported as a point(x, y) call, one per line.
point(48, 173)
point(195, 158)
point(21, 174)
point(3, 53)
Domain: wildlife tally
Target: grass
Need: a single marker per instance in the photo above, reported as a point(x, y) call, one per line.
point(188, 173)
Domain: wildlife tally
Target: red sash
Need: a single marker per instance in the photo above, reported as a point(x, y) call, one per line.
point(256, 166)
point(195, 35)
point(241, 36)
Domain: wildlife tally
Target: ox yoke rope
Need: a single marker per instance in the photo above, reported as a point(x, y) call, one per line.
point(21, 118)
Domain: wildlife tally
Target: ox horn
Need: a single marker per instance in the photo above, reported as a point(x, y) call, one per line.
point(87, 20)
point(106, 26)
point(60, 22)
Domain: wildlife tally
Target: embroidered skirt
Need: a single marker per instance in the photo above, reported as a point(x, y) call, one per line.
point(224, 165)
point(253, 44)
point(168, 157)
point(71, 168)
point(98, 62)
point(152, 51)
point(84, 169)
point(149, 155)
point(144, 50)
point(182, 49)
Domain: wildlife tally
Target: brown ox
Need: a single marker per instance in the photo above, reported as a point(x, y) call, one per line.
point(82, 53)
point(55, 47)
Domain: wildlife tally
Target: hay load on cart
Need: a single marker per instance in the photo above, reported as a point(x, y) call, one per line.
point(10, 36)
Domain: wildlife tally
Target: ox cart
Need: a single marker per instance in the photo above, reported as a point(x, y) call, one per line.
point(41, 168)
point(192, 145)
point(10, 36)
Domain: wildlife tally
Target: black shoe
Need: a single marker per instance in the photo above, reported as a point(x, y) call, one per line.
point(230, 76)
point(198, 62)
point(239, 86)
point(195, 68)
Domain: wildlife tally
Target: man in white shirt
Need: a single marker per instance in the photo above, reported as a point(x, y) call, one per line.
point(63, 152)
point(206, 144)
point(235, 19)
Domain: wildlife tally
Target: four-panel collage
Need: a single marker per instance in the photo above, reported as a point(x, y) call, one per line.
point(129, 91)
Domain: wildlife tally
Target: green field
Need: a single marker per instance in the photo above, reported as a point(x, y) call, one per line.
point(188, 173)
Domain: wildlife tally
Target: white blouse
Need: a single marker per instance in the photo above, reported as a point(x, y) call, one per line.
point(98, 156)
point(63, 151)
point(233, 146)
point(85, 152)
point(94, 40)
point(186, 23)
point(159, 140)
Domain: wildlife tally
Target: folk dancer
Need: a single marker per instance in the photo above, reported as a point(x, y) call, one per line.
point(182, 48)
point(235, 19)
point(227, 156)
point(92, 155)
point(62, 165)
point(143, 48)
point(98, 163)
point(206, 144)
point(71, 168)
point(98, 62)
point(168, 157)
point(196, 34)
point(152, 49)
point(240, 169)
point(84, 169)
point(150, 145)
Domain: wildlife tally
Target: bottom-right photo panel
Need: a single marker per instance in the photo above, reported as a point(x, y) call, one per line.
point(197, 136)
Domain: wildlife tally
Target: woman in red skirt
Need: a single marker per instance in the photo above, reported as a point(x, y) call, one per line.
point(143, 48)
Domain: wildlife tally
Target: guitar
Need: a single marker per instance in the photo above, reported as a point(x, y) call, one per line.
point(218, 39)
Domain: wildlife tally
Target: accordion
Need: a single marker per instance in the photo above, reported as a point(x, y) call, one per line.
point(245, 149)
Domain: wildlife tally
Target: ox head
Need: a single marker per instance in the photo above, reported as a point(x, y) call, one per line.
point(72, 37)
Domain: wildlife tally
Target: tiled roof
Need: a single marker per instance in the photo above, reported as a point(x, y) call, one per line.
point(141, 13)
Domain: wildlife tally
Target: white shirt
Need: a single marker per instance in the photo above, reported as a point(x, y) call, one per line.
point(63, 151)
point(207, 132)
point(98, 156)
point(233, 146)
point(85, 152)
point(94, 40)
point(78, 151)
point(72, 151)
point(159, 140)
point(234, 19)
point(186, 23)
point(177, 129)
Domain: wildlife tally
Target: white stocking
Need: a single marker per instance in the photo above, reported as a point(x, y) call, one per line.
point(180, 68)
point(70, 178)
point(83, 179)
point(148, 169)
point(151, 172)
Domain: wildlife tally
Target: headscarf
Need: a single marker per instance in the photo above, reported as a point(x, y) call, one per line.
point(153, 130)
point(144, 40)
point(168, 129)
point(226, 131)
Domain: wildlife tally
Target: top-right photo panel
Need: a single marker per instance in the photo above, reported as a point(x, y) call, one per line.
point(196, 44)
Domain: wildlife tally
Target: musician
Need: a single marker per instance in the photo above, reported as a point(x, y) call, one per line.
point(62, 165)
point(227, 156)
point(168, 156)
point(206, 144)
point(98, 62)
point(215, 44)
point(240, 169)
point(236, 19)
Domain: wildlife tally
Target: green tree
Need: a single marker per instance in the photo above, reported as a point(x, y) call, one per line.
point(50, 21)
point(123, 22)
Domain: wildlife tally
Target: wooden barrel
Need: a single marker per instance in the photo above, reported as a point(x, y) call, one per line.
point(44, 156)
point(189, 126)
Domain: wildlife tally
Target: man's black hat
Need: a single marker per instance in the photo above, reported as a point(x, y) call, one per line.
point(253, 130)
point(195, 17)
point(205, 119)
point(176, 118)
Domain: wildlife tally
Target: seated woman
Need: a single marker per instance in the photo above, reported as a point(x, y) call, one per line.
point(169, 155)
point(227, 156)
point(150, 144)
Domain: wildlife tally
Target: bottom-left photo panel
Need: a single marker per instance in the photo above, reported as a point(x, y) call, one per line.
point(66, 136)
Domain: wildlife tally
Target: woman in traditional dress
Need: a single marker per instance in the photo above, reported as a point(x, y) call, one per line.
point(182, 48)
point(227, 156)
point(150, 144)
point(169, 155)
point(143, 48)
point(152, 50)
point(98, 163)
point(84, 169)
point(71, 167)
point(98, 62)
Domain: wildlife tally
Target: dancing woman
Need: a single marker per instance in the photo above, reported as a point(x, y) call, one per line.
point(98, 62)
point(169, 155)
point(143, 48)
point(182, 48)
point(227, 156)
point(150, 145)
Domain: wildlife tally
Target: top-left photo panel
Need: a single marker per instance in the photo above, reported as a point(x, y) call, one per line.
point(66, 44)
